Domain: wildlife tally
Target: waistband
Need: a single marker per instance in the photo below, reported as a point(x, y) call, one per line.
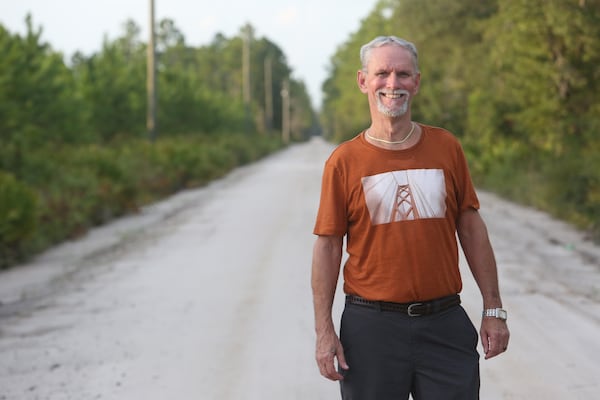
point(415, 309)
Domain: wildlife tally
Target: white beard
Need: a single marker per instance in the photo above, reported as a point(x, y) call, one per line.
point(393, 112)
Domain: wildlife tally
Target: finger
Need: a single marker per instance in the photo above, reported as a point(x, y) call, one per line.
point(331, 372)
point(495, 348)
point(489, 345)
point(491, 353)
point(342, 359)
point(500, 341)
point(327, 366)
point(485, 342)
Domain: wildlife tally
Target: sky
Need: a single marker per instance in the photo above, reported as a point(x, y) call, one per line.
point(307, 31)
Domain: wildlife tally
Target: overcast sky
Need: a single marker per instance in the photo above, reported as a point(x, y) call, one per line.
point(308, 31)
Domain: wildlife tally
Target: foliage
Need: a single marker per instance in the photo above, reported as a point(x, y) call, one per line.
point(74, 152)
point(17, 217)
point(67, 190)
point(112, 86)
point(36, 102)
point(516, 81)
point(102, 97)
point(344, 110)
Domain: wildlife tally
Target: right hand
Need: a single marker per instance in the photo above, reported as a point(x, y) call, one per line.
point(329, 347)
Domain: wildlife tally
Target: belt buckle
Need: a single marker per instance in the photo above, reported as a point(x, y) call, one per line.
point(410, 311)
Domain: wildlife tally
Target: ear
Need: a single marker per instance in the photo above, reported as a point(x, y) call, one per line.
point(417, 83)
point(361, 78)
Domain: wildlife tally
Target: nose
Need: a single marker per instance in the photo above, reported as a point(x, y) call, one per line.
point(393, 81)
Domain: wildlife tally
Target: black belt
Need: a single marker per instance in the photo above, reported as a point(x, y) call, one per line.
point(415, 309)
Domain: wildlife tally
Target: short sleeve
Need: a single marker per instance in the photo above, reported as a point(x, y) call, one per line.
point(467, 196)
point(332, 217)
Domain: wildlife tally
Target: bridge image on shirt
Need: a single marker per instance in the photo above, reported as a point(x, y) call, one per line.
point(405, 195)
point(405, 206)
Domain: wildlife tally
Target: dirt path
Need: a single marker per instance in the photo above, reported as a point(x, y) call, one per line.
point(206, 296)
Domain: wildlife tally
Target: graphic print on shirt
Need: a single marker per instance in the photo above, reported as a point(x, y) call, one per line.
point(405, 195)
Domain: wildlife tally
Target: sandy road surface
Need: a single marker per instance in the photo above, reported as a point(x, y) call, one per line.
point(206, 296)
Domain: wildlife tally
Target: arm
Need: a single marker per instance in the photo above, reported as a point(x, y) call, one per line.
point(327, 256)
point(475, 243)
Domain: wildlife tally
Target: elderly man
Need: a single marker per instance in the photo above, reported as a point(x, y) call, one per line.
point(399, 192)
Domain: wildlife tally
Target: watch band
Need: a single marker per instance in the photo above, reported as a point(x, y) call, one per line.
point(496, 313)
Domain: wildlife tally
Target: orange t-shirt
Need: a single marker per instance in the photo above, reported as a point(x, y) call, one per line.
point(399, 210)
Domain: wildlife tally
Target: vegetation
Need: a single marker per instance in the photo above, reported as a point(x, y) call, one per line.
point(74, 150)
point(515, 80)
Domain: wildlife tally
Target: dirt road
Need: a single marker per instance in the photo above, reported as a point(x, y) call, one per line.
point(207, 296)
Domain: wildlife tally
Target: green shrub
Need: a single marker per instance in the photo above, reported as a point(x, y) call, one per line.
point(17, 217)
point(79, 187)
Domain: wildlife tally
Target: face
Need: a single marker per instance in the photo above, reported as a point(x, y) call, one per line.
point(390, 81)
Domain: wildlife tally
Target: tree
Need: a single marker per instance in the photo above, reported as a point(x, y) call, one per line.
point(543, 61)
point(112, 84)
point(36, 102)
point(345, 108)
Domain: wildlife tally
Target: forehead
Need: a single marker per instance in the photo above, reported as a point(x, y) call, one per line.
point(390, 57)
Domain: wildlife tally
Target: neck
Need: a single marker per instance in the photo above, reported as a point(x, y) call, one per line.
point(391, 132)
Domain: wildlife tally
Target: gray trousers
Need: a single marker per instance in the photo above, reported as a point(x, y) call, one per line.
point(392, 355)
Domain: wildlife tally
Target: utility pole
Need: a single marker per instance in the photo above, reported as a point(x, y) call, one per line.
point(246, 66)
point(268, 94)
point(285, 112)
point(247, 37)
point(151, 78)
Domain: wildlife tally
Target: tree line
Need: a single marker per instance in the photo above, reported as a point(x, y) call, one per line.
point(102, 96)
point(74, 151)
point(515, 80)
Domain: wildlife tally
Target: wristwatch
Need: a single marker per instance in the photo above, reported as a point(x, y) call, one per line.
point(496, 313)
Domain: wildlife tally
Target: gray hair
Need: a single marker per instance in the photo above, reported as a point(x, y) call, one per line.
point(379, 41)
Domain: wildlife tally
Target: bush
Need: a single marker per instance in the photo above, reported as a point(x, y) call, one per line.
point(64, 191)
point(17, 217)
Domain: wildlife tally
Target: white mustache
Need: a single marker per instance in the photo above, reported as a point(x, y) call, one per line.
point(393, 92)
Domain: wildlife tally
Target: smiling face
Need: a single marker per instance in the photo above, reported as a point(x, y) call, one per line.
point(390, 80)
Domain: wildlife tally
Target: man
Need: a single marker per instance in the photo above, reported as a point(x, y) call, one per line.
point(399, 192)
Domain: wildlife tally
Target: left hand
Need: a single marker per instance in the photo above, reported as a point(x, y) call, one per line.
point(494, 336)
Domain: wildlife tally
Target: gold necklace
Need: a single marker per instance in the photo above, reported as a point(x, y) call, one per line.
point(393, 142)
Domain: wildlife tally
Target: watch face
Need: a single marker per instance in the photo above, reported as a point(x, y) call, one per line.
point(502, 314)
